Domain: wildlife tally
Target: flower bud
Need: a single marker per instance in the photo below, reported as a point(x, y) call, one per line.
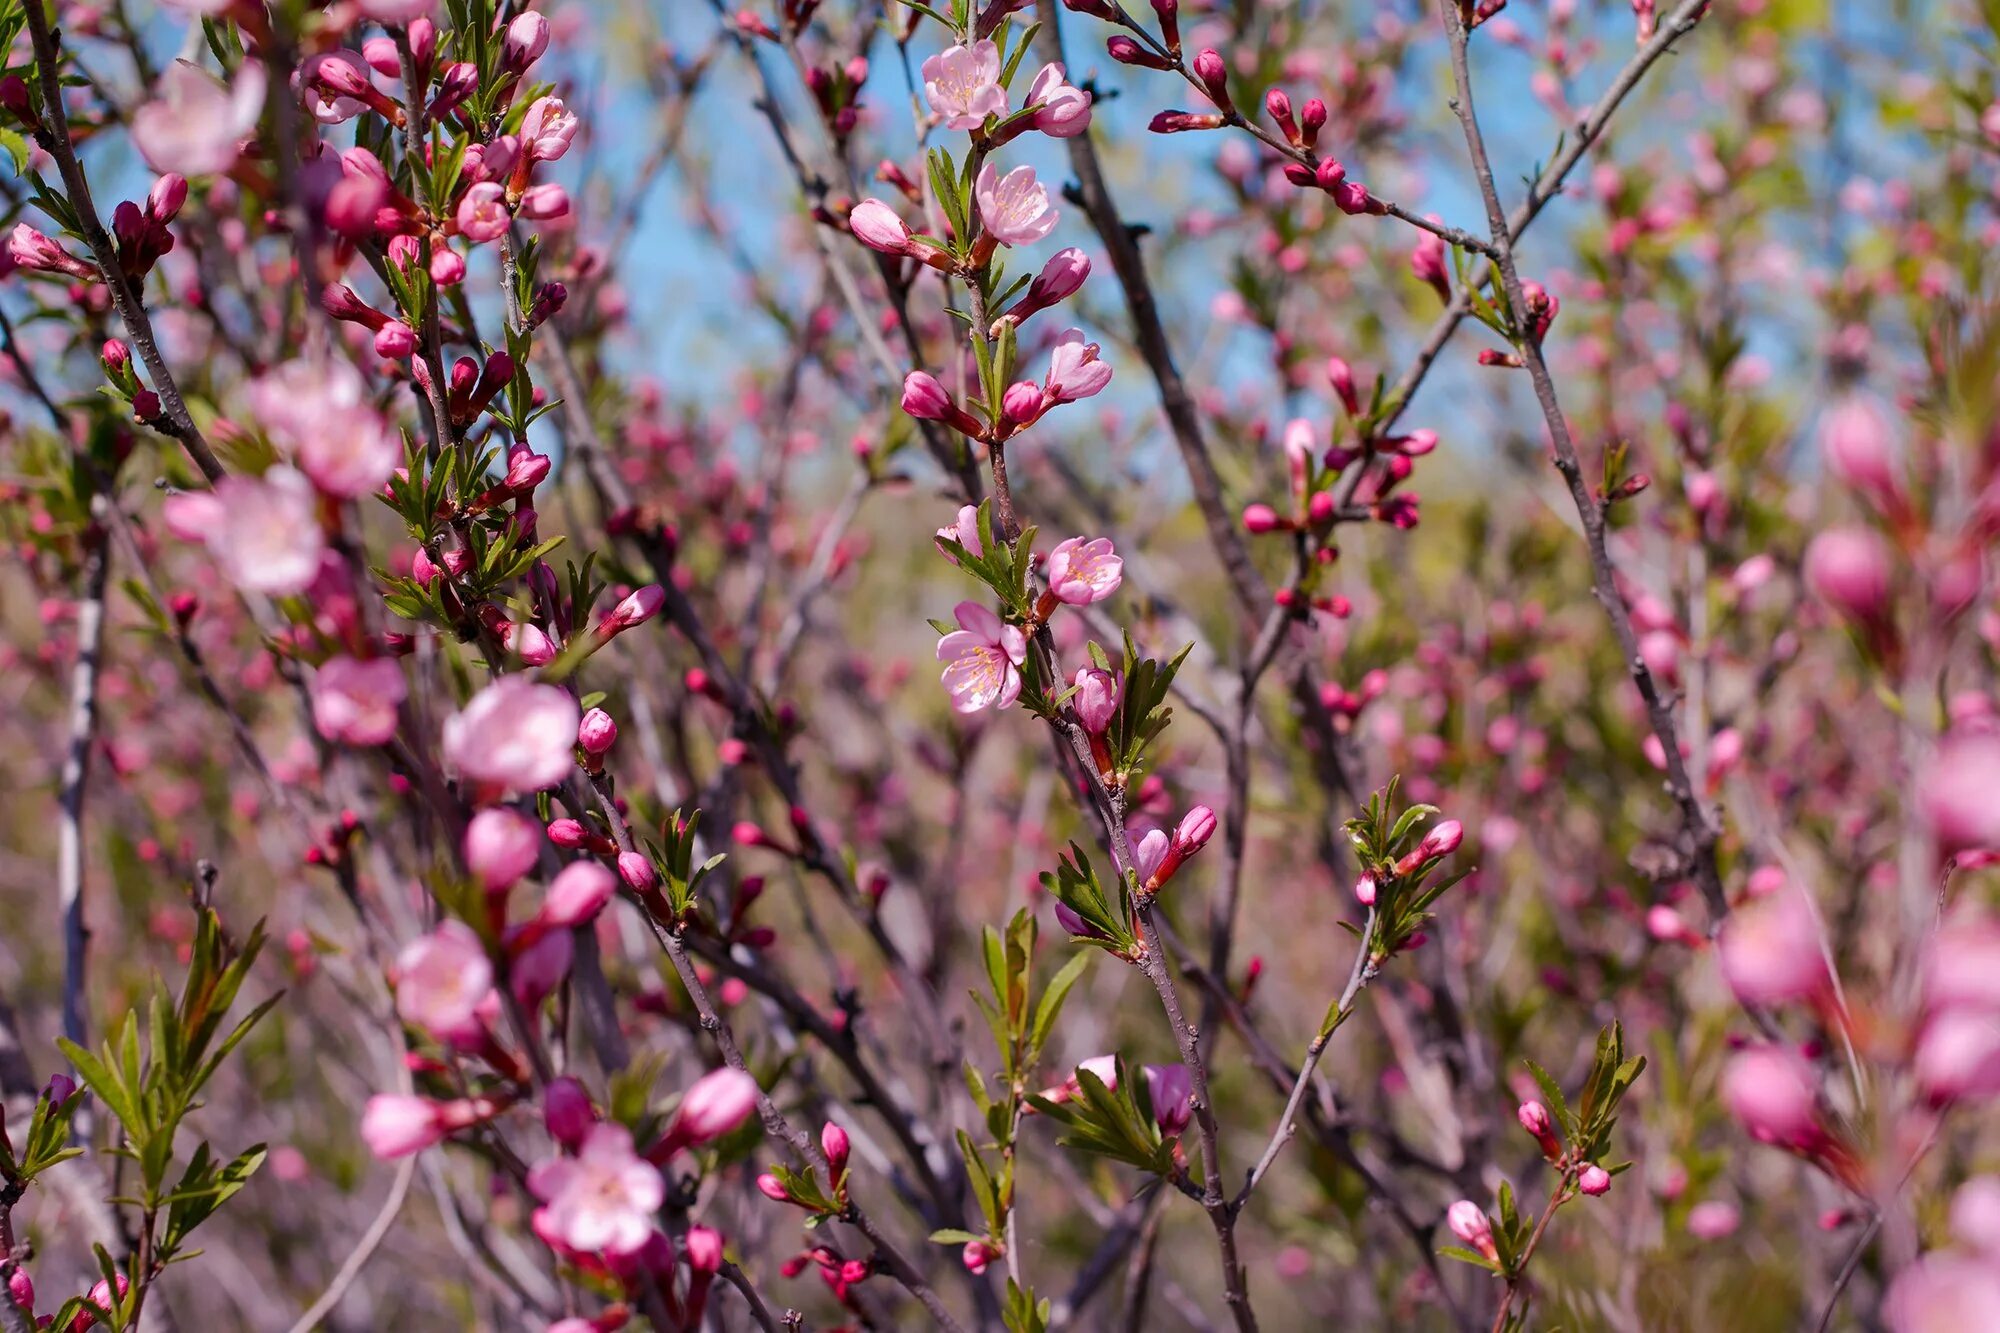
point(566, 1111)
point(1594, 1180)
point(924, 398)
point(834, 1143)
point(636, 869)
point(596, 733)
point(1469, 1223)
point(1096, 699)
point(501, 845)
point(1849, 569)
point(576, 895)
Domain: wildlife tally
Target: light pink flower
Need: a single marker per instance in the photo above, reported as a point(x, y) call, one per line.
point(1770, 1090)
point(1958, 790)
point(355, 702)
point(1849, 568)
point(1713, 1220)
point(1958, 1056)
point(1150, 853)
point(1082, 572)
point(337, 68)
point(1975, 1215)
point(515, 735)
point(1015, 207)
point(982, 660)
point(1064, 110)
point(717, 1103)
point(442, 979)
point(1468, 1221)
point(195, 124)
point(1859, 445)
point(1944, 1292)
point(877, 226)
point(548, 128)
point(501, 845)
point(577, 893)
point(603, 1199)
point(962, 84)
point(1769, 950)
point(1074, 370)
point(396, 1125)
point(397, 13)
point(263, 531)
point(320, 414)
point(482, 213)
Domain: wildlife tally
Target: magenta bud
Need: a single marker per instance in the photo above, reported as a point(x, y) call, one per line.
point(1594, 1180)
point(1022, 402)
point(395, 340)
point(577, 894)
point(566, 1111)
point(1321, 507)
point(834, 1143)
point(115, 356)
point(596, 733)
point(1096, 699)
point(636, 869)
point(924, 398)
point(1261, 518)
point(1196, 828)
point(169, 192)
point(568, 833)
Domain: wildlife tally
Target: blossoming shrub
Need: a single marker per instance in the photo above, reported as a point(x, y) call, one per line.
point(862, 664)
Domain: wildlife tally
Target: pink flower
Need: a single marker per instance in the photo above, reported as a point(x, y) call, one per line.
point(442, 979)
point(718, 1103)
point(962, 84)
point(578, 893)
point(1150, 853)
point(482, 213)
point(397, 13)
point(1944, 1293)
point(1713, 1220)
point(603, 1199)
point(1975, 1215)
point(1859, 447)
point(982, 660)
point(924, 399)
point(965, 531)
point(263, 531)
point(514, 735)
point(1594, 1180)
point(1064, 111)
point(1096, 699)
point(1074, 370)
point(877, 226)
point(1958, 790)
point(597, 733)
point(501, 845)
point(1770, 950)
point(1849, 569)
point(1958, 1056)
point(1015, 207)
point(334, 86)
point(547, 129)
point(1081, 572)
point(322, 416)
point(396, 1125)
point(195, 124)
point(1770, 1090)
point(355, 702)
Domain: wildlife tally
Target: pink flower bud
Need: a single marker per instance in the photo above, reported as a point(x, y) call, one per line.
point(21, 1289)
point(567, 1112)
point(1196, 828)
point(703, 1247)
point(597, 732)
point(1021, 403)
point(1769, 1089)
point(395, 340)
point(834, 1143)
point(501, 845)
point(1096, 699)
point(1365, 890)
point(636, 609)
point(577, 894)
point(773, 1188)
point(568, 833)
point(1849, 568)
point(1594, 1180)
point(1442, 840)
point(1859, 446)
point(1769, 950)
point(543, 202)
point(1535, 1118)
point(168, 194)
point(716, 1105)
point(394, 1125)
point(636, 869)
point(877, 226)
point(924, 398)
point(1261, 518)
point(1469, 1223)
point(527, 38)
point(1171, 1090)
point(1957, 792)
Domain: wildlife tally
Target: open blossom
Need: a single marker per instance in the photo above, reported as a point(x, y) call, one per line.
point(319, 413)
point(263, 531)
point(514, 734)
point(482, 213)
point(1015, 207)
point(962, 84)
point(1082, 572)
point(548, 128)
point(1062, 110)
point(195, 124)
point(442, 979)
point(354, 702)
point(600, 1201)
point(982, 660)
point(1074, 370)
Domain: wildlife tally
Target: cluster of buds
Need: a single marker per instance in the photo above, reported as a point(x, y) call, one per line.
point(836, 90)
point(141, 230)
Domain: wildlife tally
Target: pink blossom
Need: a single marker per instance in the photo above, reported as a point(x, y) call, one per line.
point(501, 845)
point(982, 660)
point(1944, 1292)
point(1859, 446)
point(1081, 572)
point(1849, 568)
point(578, 893)
point(548, 128)
point(1074, 370)
point(718, 1103)
point(924, 399)
point(1015, 207)
point(1171, 1090)
point(396, 1125)
point(263, 531)
point(195, 124)
point(1063, 110)
point(1468, 1221)
point(1769, 950)
point(1150, 853)
point(332, 85)
point(603, 1199)
point(1594, 1180)
point(1958, 1056)
point(482, 213)
point(1713, 1220)
point(1975, 1215)
point(1770, 1090)
point(442, 979)
point(539, 967)
point(320, 414)
point(515, 735)
point(1957, 792)
point(1096, 699)
point(355, 702)
point(962, 84)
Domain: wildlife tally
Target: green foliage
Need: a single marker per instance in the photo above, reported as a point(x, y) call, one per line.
point(1107, 913)
point(673, 857)
point(1404, 889)
point(1142, 706)
point(1114, 1122)
point(151, 1091)
point(1003, 568)
point(45, 1143)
